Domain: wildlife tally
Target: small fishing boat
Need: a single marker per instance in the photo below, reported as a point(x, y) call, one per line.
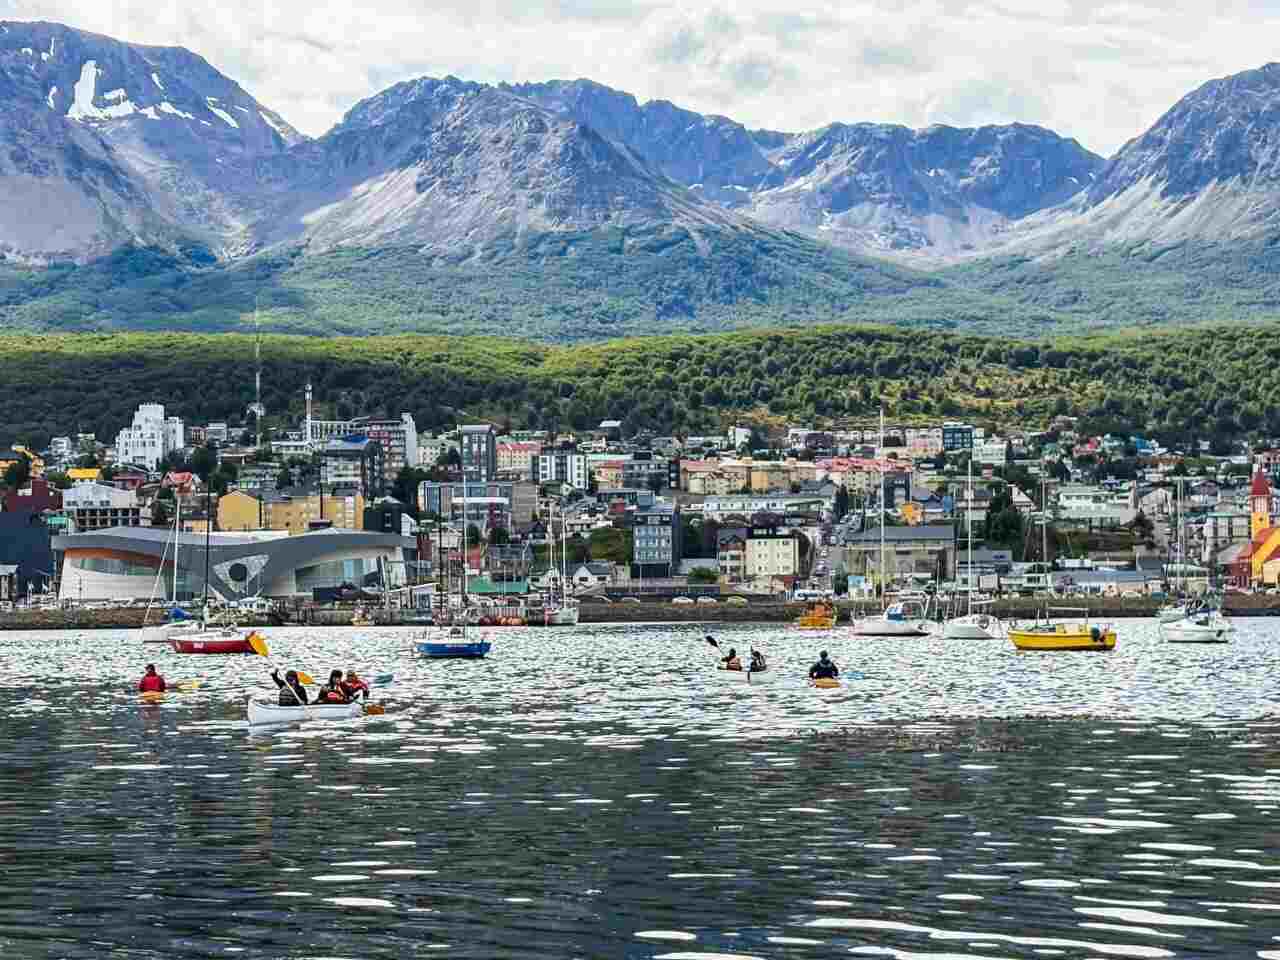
point(1047, 634)
point(821, 616)
point(264, 714)
point(905, 618)
point(454, 644)
point(221, 642)
point(1203, 626)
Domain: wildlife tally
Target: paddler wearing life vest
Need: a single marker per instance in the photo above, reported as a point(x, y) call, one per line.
point(151, 682)
point(824, 669)
point(353, 686)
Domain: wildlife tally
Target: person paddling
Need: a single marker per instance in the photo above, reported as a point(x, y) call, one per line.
point(152, 682)
point(758, 664)
point(731, 661)
point(353, 686)
point(824, 669)
point(332, 691)
point(291, 692)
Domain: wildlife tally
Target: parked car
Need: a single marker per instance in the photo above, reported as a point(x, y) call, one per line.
point(737, 601)
point(683, 600)
point(710, 600)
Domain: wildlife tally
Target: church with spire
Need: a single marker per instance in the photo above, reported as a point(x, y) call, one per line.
point(1264, 534)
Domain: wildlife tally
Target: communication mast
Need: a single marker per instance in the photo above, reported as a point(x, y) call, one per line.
point(256, 408)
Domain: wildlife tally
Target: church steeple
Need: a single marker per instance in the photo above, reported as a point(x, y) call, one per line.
point(1259, 504)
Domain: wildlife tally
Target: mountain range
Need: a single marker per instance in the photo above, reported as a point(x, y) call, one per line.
point(140, 187)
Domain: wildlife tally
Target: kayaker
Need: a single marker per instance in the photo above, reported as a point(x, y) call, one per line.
point(757, 662)
point(824, 669)
point(332, 691)
point(353, 686)
point(152, 682)
point(731, 662)
point(291, 692)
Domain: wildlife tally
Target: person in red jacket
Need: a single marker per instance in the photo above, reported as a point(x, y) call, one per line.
point(353, 686)
point(152, 682)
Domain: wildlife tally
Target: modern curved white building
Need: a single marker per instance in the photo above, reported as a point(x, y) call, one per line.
point(123, 563)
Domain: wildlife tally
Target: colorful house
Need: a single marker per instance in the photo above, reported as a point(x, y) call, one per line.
point(1264, 542)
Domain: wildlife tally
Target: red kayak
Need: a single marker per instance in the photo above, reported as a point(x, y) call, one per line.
point(212, 646)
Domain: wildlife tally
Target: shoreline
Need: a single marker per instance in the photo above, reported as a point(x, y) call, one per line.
point(1240, 605)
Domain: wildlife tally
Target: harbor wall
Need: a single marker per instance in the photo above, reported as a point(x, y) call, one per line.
point(1238, 605)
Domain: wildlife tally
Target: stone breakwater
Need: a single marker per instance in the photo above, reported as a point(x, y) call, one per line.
point(1015, 608)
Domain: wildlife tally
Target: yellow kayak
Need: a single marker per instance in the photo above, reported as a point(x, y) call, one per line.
point(152, 696)
point(825, 683)
point(1064, 636)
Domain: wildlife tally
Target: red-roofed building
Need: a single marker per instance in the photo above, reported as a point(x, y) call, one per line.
point(1264, 542)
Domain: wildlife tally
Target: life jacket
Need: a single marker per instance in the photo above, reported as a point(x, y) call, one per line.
point(152, 683)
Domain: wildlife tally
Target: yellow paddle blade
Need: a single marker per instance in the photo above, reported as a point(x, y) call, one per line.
point(189, 684)
point(374, 709)
point(258, 643)
point(305, 679)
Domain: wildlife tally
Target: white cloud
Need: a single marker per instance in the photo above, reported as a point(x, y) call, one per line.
point(1098, 71)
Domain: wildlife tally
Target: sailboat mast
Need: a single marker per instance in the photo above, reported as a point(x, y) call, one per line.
point(968, 512)
point(208, 525)
point(884, 593)
point(177, 526)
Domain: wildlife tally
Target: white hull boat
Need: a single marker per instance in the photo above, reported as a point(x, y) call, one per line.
point(884, 627)
point(745, 676)
point(164, 632)
point(566, 616)
point(1211, 628)
point(1171, 614)
point(974, 626)
point(263, 714)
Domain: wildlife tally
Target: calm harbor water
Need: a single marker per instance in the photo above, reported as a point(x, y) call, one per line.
point(599, 792)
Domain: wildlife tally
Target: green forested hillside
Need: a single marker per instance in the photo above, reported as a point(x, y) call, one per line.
point(551, 287)
point(1200, 381)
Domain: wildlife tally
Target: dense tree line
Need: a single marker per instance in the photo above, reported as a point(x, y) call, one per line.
point(1214, 383)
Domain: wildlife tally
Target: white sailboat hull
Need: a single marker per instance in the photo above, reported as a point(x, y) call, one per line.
point(975, 627)
point(882, 627)
point(1171, 614)
point(1215, 630)
point(563, 617)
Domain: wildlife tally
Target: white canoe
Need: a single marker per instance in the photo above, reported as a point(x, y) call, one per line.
point(746, 676)
point(261, 714)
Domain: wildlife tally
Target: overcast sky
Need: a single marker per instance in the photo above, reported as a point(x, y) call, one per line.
point(1101, 72)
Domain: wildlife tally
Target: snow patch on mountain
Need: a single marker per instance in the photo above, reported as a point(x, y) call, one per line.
point(83, 107)
point(209, 102)
point(155, 78)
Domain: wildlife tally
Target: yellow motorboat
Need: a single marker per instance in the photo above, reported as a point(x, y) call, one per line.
point(1079, 635)
point(821, 616)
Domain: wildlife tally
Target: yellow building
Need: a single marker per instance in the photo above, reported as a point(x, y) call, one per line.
point(84, 474)
point(295, 514)
point(238, 510)
point(912, 513)
point(767, 476)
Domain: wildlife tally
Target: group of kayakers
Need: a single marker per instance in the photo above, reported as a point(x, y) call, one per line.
point(824, 669)
point(339, 689)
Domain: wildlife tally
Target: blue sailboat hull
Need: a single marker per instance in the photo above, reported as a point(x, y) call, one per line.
point(471, 651)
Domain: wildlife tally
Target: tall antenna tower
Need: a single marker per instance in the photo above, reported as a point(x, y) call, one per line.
point(256, 408)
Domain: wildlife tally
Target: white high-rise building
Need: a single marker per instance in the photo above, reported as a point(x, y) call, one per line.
point(150, 438)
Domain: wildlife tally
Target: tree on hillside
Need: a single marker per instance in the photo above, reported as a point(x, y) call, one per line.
point(18, 473)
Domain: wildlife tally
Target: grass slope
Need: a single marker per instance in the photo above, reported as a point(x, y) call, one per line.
point(1222, 379)
point(1141, 284)
point(551, 287)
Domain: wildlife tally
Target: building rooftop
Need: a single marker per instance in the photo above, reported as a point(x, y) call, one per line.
point(937, 532)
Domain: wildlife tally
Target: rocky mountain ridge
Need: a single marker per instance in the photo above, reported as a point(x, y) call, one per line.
point(109, 147)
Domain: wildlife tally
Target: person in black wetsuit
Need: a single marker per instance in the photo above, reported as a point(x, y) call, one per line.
point(824, 669)
point(291, 692)
point(758, 663)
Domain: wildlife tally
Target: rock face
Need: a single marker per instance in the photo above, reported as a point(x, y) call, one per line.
point(452, 166)
point(104, 142)
point(873, 188)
